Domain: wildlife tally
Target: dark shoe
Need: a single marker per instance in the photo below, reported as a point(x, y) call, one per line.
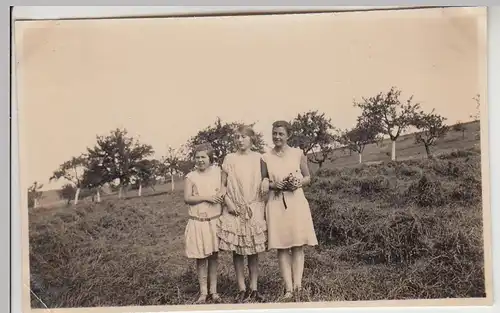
point(240, 297)
point(254, 296)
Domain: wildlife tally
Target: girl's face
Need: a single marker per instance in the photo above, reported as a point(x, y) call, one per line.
point(202, 160)
point(244, 141)
point(280, 136)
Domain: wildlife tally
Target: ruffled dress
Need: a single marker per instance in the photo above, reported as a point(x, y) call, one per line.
point(245, 234)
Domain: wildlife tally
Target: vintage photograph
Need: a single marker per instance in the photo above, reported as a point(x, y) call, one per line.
point(253, 159)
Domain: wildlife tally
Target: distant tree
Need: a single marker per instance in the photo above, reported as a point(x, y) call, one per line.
point(222, 138)
point(172, 164)
point(312, 132)
point(460, 127)
point(476, 116)
point(119, 155)
point(430, 127)
point(386, 112)
point(145, 174)
point(72, 171)
point(34, 195)
point(357, 138)
point(67, 192)
point(185, 166)
point(94, 177)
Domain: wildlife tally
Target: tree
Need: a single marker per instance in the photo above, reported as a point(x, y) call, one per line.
point(118, 156)
point(222, 138)
point(94, 177)
point(386, 112)
point(460, 127)
point(312, 133)
point(34, 195)
point(72, 171)
point(476, 116)
point(145, 174)
point(172, 164)
point(430, 127)
point(67, 192)
point(359, 136)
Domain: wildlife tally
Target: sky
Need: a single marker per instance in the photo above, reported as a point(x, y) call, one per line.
point(163, 79)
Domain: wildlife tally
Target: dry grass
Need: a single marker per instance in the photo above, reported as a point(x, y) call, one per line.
point(396, 230)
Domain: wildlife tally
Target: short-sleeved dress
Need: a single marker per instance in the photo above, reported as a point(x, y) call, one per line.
point(244, 234)
point(289, 226)
point(200, 235)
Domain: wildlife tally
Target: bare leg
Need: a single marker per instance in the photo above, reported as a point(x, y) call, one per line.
point(253, 269)
point(239, 267)
point(212, 276)
point(285, 264)
point(297, 266)
point(202, 269)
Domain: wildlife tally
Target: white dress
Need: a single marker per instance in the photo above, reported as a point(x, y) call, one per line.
point(201, 230)
point(289, 226)
point(244, 234)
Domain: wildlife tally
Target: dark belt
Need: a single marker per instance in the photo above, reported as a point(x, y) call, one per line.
point(204, 219)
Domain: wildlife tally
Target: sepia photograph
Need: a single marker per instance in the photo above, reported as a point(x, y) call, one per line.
point(277, 159)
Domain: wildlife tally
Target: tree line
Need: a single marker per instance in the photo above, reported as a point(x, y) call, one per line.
point(122, 161)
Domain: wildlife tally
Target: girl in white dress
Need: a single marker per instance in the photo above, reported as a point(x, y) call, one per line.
point(242, 226)
point(289, 222)
point(202, 192)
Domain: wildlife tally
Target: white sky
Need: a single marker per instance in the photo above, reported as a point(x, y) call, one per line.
point(164, 79)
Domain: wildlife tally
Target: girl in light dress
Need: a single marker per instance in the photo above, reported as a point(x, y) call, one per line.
point(242, 226)
point(289, 221)
point(202, 192)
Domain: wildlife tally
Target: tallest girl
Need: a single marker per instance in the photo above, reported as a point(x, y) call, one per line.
point(289, 222)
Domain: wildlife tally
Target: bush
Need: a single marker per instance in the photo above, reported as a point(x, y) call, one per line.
point(426, 193)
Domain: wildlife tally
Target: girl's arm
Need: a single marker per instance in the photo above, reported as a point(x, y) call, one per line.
point(189, 198)
point(304, 169)
point(227, 201)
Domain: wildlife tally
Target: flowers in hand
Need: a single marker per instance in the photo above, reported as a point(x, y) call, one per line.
point(292, 182)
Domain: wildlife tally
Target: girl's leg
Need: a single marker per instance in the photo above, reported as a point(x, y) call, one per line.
point(297, 266)
point(253, 270)
point(212, 276)
point(285, 265)
point(239, 268)
point(202, 269)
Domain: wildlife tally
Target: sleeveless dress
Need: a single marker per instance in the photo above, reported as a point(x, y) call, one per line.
point(201, 230)
point(291, 225)
point(244, 234)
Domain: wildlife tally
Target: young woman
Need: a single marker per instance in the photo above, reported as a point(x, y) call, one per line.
point(242, 226)
point(288, 215)
point(202, 192)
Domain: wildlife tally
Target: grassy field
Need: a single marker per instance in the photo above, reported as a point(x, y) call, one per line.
point(388, 230)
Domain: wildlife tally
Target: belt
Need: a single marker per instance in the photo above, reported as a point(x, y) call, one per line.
point(204, 219)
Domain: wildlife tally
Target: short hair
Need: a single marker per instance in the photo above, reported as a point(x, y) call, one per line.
point(285, 125)
point(205, 147)
point(247, 130)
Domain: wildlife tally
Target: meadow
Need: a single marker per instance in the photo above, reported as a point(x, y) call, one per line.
point(406, 229)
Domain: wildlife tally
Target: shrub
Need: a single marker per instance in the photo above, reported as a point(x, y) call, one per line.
point(426, 193)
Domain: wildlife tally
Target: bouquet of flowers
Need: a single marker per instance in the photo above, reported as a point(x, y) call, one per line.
point(291, 182)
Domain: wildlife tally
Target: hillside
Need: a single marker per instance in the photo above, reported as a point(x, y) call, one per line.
point(406, 149)
point(397, 230)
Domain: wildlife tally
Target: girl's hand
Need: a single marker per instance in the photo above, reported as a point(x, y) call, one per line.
point(280, 185)
point(231, 210)
point(215, 199)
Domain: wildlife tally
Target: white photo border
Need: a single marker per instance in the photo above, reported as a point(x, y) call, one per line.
point(9, 140)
